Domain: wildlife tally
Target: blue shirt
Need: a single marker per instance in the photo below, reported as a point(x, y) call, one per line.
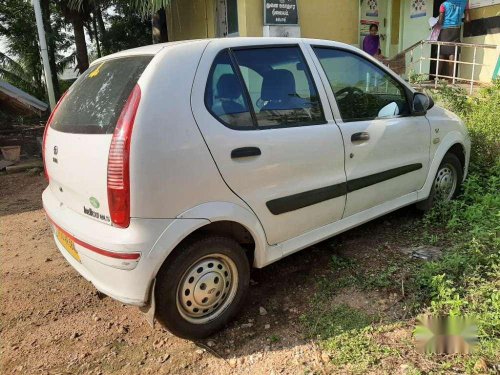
point(453, 12)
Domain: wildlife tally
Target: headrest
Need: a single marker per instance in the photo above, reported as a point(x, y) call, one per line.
point(228, 87)
point(278, 84)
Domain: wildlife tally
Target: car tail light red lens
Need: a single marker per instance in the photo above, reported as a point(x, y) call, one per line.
point(118, 162)
point(45, 134)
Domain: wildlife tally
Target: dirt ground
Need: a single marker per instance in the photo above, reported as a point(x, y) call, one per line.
point(53, 321)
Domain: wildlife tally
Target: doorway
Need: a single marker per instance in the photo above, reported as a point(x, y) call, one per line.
point(227, 18)
point(375, 12)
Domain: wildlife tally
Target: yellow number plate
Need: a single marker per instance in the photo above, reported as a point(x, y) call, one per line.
point(68, 244)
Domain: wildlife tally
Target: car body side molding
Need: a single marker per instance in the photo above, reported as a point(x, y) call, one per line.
point(308, 198)
point(362, 182)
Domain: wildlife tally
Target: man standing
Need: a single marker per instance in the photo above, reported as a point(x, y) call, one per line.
point(450, 19)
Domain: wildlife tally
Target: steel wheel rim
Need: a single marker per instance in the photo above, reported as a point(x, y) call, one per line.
point(445, 182)
point(207, 288)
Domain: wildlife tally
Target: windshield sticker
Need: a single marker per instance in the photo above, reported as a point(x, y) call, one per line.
point(96, 71)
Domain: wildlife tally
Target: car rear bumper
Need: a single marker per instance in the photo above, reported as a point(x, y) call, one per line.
point(115, 260)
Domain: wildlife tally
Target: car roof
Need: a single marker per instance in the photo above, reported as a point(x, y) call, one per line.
point(223, 43)
point(152, 49)
point(255, 41)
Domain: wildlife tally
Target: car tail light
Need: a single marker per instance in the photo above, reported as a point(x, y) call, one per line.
point(45, 134)
point(118, 162)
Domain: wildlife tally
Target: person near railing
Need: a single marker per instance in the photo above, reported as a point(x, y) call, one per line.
point(451, 13)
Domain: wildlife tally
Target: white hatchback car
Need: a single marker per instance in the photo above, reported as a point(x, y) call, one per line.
point(174, 168)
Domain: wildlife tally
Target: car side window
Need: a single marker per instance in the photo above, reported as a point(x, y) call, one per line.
point(224, 94)
point(280, 87)
point(362, 90)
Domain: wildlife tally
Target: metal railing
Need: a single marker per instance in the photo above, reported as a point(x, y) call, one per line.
point(456, 63)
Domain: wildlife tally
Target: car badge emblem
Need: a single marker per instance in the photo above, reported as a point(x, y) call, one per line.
point(94, 202)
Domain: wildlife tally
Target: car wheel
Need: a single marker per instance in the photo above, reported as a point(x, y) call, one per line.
point(202, 287)
point(446, 184)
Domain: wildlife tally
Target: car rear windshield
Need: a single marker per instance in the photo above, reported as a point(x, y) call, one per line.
point(94, 102)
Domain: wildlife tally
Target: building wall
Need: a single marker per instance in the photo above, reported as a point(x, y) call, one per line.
point(251, 17)
point(395, 27)
point(192, 19)
point(329, 19)
point(323, 19)
point(486, 56)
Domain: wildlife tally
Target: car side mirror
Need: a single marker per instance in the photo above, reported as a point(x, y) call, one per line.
point(421, 103)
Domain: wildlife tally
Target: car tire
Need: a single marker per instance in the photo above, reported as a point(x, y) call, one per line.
point(446, 184)
point(202, 287)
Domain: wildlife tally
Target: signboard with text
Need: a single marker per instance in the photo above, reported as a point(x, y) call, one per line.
point(482, 3)
point(281, 12)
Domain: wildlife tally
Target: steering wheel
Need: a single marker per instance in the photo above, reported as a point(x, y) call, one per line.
point(352, 101)
point(348, 91)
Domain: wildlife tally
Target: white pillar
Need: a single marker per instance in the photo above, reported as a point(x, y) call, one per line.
point(45, 55)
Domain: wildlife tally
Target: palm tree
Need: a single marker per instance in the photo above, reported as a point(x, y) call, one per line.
point(20, 63)
point(146, 8)
point(78, 15)
point(51, 37)
point(16, 74)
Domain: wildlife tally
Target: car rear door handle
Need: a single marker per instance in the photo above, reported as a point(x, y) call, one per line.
point(245, 152)
point(360, 137)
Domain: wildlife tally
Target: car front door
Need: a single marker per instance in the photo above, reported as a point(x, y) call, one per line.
point(386, 147)
point(272, 134)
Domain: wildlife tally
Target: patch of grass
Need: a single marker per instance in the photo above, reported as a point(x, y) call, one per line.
point(328, 285)
point(412, 370)
point(357, 350)
point(324, 322)
point(338, 262)
point(274, 339)
point(347, 272)
point(380, 279)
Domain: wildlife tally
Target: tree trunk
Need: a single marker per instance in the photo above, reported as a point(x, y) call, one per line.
point(82, 57)
point(51, 46)
point(101, 27)
point(100, 20)
point(96, 33)
point(159, 25)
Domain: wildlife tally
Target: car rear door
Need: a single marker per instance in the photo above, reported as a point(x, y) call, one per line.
point(272, 135)
point(386, 147)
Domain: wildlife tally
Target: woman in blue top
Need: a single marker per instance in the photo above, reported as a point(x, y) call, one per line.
point(450, 19)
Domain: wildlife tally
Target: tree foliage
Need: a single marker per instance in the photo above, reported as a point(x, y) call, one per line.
point(127, 29)
point(20, 63)
point(148, 7)
point(110, 25)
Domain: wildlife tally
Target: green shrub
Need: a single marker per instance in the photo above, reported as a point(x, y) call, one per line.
point(466, 281)
point(481, 113)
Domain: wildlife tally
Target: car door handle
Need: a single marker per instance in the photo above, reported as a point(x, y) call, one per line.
point(360, 137)
point(245, 152)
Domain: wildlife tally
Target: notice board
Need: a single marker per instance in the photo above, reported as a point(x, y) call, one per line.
point(281, 12)
point(482, 3)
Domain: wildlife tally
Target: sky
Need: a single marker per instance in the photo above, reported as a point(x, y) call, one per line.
point(3, 47)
